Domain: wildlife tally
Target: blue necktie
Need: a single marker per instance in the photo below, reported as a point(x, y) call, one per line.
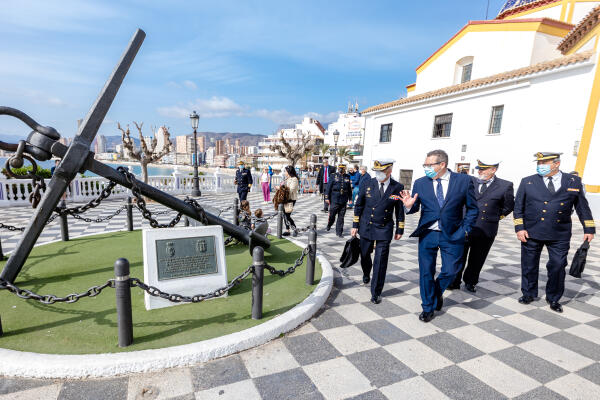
point(439, 193)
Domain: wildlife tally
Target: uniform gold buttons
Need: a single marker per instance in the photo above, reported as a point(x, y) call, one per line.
point(485, 204)
point(543, 210)
point(562, 204)
point(547, 203)
point(542, 218)
point(483, 211)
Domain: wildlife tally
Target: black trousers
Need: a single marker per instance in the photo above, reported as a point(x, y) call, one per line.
point(287, 218)
point(379, 264)
point(476, 251)
point(243, 194)
point(338, 210)
point(530, 267)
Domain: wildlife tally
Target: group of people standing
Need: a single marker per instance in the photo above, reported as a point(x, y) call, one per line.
point(459, 218)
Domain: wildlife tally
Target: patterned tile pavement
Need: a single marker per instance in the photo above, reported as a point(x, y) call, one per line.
point(481, 346)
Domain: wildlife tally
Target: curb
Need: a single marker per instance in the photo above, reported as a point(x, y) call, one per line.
point(36, 365)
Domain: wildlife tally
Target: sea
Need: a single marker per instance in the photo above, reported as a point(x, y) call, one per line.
point(137, 169)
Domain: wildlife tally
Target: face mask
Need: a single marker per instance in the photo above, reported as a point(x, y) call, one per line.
point(543, 169)
point(381, 176)
point(241, 167)
point(430, 172)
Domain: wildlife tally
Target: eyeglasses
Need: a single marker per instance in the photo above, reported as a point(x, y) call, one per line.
point(431, 165)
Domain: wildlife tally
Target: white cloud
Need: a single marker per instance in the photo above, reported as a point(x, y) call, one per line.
point(223, 107)
point(190, 85)
point(33, 96)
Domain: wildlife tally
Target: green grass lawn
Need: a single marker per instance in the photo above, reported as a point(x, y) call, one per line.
point(89, 326)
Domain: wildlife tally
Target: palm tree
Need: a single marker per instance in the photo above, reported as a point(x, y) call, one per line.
point(344, 153)
point(324, 149)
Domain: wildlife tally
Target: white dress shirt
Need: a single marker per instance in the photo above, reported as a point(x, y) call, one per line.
point(488, 184)
point(556, 180)
point(386, 184)
point(445, 182)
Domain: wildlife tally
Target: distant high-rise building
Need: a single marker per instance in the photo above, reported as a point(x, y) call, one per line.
point(100, 146)
point(181, 144)
point(219, 147)
point(201, 143)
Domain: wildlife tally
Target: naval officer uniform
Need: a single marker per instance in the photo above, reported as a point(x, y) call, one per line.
point(339, 192)
point(542, 217)
point(495, 201)
point(243, 180)
point(376, 206)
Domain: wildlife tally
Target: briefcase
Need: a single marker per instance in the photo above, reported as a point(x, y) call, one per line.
point(578, 263)
point(351, 252)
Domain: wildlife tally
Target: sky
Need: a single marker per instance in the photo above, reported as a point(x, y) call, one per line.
point(243, 66)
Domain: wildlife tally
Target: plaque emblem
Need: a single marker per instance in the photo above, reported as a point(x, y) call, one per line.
point(201, 246)
point(171, 249)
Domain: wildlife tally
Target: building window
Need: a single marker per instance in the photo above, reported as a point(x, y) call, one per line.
point(385, 135)
point(496, 120)
point(442, 126)
point(466, 73)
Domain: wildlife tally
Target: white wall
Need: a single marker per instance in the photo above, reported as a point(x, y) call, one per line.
point(544, 113)
point(493, 52)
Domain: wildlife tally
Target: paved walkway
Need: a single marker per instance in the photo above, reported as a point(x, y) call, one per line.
point(482, 346)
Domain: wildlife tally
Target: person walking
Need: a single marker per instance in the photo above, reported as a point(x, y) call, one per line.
point(542, 217)
point(364, 176)
point(448, 212)
point(354, 178)
point(323, 179)
point(337, 197)
point(265, 180)
point(378, 201)
point(495, 200)
point(243, 180)
point(291, 182)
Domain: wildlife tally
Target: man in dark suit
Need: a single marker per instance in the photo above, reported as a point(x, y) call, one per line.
point(377, 202)
point(243, 180)
point(495, 200)
point(543, 208)
point(448, 212)
point(323, 179)
point(337, 196)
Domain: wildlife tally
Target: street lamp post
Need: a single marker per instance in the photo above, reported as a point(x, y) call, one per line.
point(336, 136)
point(194, 118)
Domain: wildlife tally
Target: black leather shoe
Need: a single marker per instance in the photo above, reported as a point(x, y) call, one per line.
point(555, 306)
point(426, 316)
point(453, 286)
point(440, 303)
point(366, 279)
point(470, 288)
point(328, 228)
point(286, 233)
point(525, 299)
point(341, 235)
point(376, 300)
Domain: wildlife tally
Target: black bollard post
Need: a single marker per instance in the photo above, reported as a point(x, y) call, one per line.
point(258, 260)
point(236, 211)
point(280, 221)
point(1, 252)
point(312, 251)
point(64, 224)
point(123, 293)
point(186, 221)
point(129, 214)
point(1, 331)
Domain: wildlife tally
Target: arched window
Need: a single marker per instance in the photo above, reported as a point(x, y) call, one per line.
point(463, 69)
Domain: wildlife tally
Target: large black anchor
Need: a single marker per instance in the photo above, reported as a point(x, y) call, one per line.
point(42, 143)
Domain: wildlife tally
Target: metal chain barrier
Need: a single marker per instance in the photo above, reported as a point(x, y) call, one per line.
point(10, 227)
point(100, 219)
point(224, 210)
point(50, 298)
point(104, 194)
point(290, 270)
point(177, 298)
point(147, 214)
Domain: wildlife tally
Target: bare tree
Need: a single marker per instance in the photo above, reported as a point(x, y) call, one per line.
point(293, 150)
point(147, 153)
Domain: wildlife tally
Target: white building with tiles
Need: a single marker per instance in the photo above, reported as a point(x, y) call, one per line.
point(524, 82)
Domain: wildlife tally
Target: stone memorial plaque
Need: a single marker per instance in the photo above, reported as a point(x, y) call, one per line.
point(186, 261)
point(186, 257)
